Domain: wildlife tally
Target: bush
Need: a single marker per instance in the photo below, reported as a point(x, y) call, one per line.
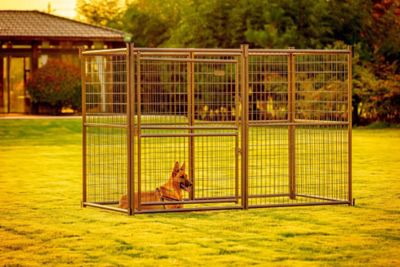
point(57, 84)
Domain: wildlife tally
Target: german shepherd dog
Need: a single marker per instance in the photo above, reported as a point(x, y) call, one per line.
point(170, 191)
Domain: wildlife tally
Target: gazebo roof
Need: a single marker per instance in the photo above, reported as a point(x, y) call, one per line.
point(36, 25)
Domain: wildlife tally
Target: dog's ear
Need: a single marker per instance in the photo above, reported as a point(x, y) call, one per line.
point(176, 168)
point(183, 167)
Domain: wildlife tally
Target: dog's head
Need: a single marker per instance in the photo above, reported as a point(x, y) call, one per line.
point(180, 177)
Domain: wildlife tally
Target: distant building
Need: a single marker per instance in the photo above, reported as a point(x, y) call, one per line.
point(29, 38)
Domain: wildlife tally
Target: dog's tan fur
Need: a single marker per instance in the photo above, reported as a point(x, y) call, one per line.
point(171, 190)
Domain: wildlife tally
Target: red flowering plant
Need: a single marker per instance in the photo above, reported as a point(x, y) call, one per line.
point(57, 84)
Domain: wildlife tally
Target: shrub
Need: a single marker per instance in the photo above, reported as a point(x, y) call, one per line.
point(57, 84)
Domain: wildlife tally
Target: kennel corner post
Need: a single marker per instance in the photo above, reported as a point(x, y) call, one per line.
point(291, 127)
point(245, 122)
point(350, 124)
point(130, 82)
point(191, 104)
point(84, 151)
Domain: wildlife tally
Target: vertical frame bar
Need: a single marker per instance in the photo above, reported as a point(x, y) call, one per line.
point(2, 95)
point(350, 125)
point(130, 113)
point(237, 168)
point(8, 67)
point(191, 104)
point(245, 123)
point(84, 149)
point(237, 104)
point(139, 129)
point(237, 94)
point(291, 128)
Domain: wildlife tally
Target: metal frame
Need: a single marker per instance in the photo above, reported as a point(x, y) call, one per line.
point(274, 125)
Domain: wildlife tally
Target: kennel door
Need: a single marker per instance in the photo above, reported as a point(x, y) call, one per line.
point(187, 112)
point(216, 107)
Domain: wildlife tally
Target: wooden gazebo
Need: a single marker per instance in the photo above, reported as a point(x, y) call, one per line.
point(29, 38)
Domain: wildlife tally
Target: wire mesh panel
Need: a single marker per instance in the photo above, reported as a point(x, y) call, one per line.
point(216, 89)
point(268, 165)
point(105, 84)
point(298, 128)
point(217, 174)
point(322, 162)
point(321, 85)
point(158, 155)
point(268, 87)
point(105, 128)
point(268, 156)
point(106, 164)
point(322, 148)
point(163, 89)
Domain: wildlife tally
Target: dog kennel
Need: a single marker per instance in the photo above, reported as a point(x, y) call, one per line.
point(255, 127)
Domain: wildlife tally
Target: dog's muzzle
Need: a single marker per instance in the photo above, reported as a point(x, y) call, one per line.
point(187, 186)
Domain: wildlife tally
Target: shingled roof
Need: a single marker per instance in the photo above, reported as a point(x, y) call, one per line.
point(36, 25)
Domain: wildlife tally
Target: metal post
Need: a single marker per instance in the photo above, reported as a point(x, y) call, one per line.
point(350, 121)
point(84, 149)
point(8, 84)
point(130, 121)
point(291, 128)
point(245, 122)
point(2, 108)
point(191, 105)
point(138, 130)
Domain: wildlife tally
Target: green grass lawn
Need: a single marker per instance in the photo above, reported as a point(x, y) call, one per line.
point(42, 223)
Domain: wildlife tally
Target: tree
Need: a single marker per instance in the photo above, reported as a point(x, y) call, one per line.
point(151, 22)
point(101, 12)
point(279, 24)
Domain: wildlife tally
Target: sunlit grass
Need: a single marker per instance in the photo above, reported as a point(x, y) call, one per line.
point(42, 223)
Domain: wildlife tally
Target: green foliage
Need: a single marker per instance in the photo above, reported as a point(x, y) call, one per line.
point(100, 12)
point(301, 24)
point(151, 21)
point(211, 24)
point(372, 27)
point(57, 84)
point(375, 97)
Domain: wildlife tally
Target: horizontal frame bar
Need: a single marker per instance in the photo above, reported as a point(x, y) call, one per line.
point(322, 122)
point(104, 51)
point(299, 51)
point(211, 51)
point(233, 61)
point(201, 122)
point(168, 127)
point(106, 202)
point(318, 197)
point(197, 201)
point(214, 50)
point(260, 124)
point(208, 198)
point(156, 53)
point(268, 195)
point(89, 204)
point(188, 134)
point(189, 209)
point(105, 125)
point(299, 204)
